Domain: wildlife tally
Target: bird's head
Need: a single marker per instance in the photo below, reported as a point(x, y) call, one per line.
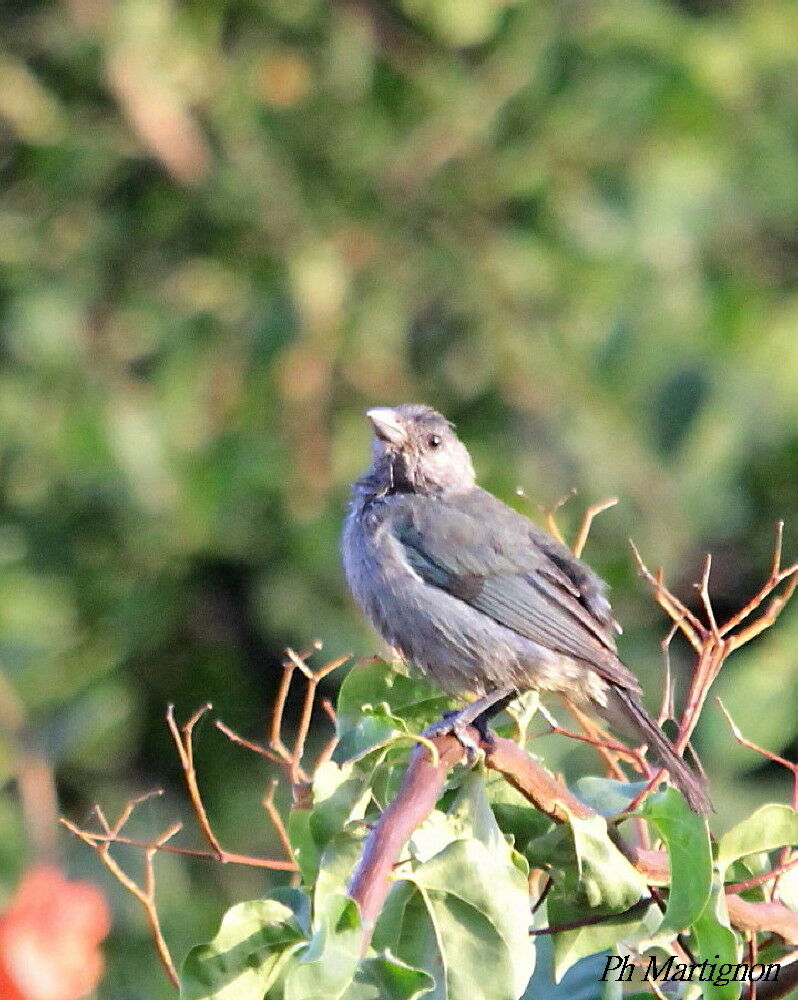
point(416, 450)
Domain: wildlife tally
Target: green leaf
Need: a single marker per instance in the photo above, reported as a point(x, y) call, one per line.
point(325, 967)
point(606, 877)
point(606, 795)
point(338, 861)
point(254, 942)
point(339, 794)
point(572, 945)
point(771, 826)
point(715, 938)
point(516, 818)
point(384, 977)
point(472, 809)
point(375, 682)
point(375, 728)
point(686, 838)
point(600, 882)
point(468, 922)
point(581, 982)
point(303, 844)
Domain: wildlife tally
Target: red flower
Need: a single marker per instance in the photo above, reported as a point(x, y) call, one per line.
point(49, 938)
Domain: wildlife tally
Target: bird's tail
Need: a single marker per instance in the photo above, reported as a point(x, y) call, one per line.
point(693, 786)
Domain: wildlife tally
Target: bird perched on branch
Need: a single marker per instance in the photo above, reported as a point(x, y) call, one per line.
point(477, 596)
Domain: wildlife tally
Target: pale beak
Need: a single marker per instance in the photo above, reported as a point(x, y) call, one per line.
point(386, 426)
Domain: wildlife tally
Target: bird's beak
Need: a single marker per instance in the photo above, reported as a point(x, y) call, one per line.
point(386, 426)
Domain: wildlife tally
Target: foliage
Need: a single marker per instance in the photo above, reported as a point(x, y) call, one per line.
point(229, 226)
point(458, 912)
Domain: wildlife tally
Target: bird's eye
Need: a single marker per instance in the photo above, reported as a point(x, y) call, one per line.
point(434, 441)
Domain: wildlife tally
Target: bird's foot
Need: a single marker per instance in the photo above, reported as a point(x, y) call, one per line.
point(476, 714)
point(452, 722)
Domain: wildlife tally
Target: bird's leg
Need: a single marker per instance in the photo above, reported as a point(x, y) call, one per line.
point(476, 713)
point(481, 721)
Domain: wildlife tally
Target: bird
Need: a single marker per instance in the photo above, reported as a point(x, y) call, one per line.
point(479, 598)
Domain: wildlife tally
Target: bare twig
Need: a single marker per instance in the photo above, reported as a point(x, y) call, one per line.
point(548, 514)
point(245, 743)
point(739, 738)
point(145, 893)
point(776, 576)
point(601, 918)
point(230, 858)
point(587, 522)
point(183, 740)
point(329, 748)
point(755, 880)
point(290, 759)
point(277, 821)
point(703, 589)
point(688, 624)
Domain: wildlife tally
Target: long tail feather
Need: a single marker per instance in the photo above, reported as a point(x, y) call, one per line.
point(691, 785)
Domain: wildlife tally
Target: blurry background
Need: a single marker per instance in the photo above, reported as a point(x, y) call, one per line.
point(229, 226)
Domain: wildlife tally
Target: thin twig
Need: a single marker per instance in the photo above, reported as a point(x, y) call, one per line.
point(183, 740)
point(587, 521)
point(329, 747)
point(751, 948)
point(756, 880)
point(602, 918)
point(144, 894)
point(230, 858)
point(703, 589)
point(548, 514)
point(688, 624)
point(739, 738)
point(277, 821)
point(245, 743)
point(666, 704)
point(775, 577)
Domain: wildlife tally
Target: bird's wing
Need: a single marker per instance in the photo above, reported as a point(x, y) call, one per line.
point(495, 560)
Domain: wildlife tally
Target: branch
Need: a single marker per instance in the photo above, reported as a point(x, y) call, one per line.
point(587, 523)
point(278, 752)
point(183, 739)
point(145, 893)
point(421, 787)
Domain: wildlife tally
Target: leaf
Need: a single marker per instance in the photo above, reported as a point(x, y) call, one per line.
point(573, 945)
point(606, 795)
point(384, 977)
point(254, 942)
point(581, 982)
point(303, 844)
point(325, 967)
point(340, 856)
point(468, 922)
point(339, 794)
point(374, 729)
point(516, 818)
point(472, 809)
point(437, 831)
point(771, 826)
point(606, 877)
point(375, 682)
point(715, 938)
point(600, 882)
point(686, 838)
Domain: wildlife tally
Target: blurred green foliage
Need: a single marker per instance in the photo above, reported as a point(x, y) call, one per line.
point(228, 226)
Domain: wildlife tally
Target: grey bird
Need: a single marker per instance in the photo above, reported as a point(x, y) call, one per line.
point(477, 596)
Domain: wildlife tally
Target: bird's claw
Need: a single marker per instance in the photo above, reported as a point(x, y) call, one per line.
point(454, 723)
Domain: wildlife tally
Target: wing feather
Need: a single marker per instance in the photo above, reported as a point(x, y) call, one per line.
point(496, 561)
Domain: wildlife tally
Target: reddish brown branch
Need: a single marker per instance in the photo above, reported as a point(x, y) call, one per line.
point(183, 740)
point(415, 800)
point(145, 894)
point(421, 787)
